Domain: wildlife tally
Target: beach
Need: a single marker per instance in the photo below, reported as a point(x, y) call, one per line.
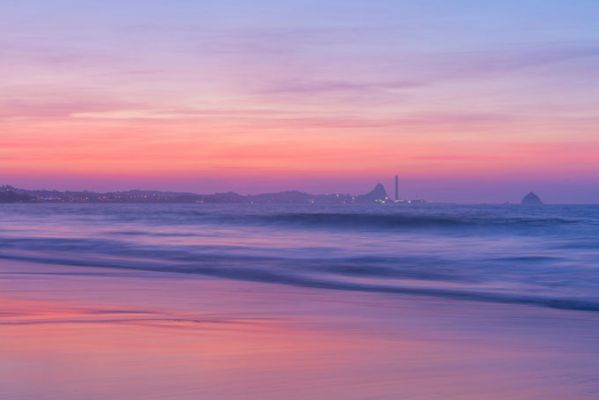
point(69, 332)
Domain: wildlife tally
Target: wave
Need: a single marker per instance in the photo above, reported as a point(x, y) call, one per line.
point(327, 274)
point(391, 221)
point(342, 220)
point(369, 218)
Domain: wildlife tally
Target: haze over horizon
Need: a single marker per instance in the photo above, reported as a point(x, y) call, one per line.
point(467, 102)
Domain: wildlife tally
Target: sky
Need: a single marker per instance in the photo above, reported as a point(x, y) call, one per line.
point(467, 101)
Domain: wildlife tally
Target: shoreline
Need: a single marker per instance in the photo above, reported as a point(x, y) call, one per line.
point(103, 333)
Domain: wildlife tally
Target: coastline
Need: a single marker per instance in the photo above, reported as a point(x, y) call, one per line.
point(71, 332)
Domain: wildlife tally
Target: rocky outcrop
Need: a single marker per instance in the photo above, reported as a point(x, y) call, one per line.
point(532, 199)
point(378, 193)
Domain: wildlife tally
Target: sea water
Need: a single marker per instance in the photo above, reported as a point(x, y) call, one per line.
point(545, 256)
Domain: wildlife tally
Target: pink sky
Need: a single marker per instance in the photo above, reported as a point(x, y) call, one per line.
point(484, 104)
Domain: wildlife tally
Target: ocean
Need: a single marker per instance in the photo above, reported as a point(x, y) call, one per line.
point(546, 256)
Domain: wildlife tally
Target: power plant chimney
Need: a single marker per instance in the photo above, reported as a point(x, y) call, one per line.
point(396, 188)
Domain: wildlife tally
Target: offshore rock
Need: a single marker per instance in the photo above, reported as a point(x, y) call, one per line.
point(532, 199)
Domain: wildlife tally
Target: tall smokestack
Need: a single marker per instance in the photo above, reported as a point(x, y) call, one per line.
point(396, 188)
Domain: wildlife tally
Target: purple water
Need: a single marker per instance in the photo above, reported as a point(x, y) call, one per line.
point(546, 256)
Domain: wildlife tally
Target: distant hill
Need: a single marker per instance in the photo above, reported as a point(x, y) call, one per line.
point(9, 194)
point(12, 194)
point(378, 193)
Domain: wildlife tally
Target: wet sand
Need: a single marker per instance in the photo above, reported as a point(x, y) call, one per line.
point(83, 333)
